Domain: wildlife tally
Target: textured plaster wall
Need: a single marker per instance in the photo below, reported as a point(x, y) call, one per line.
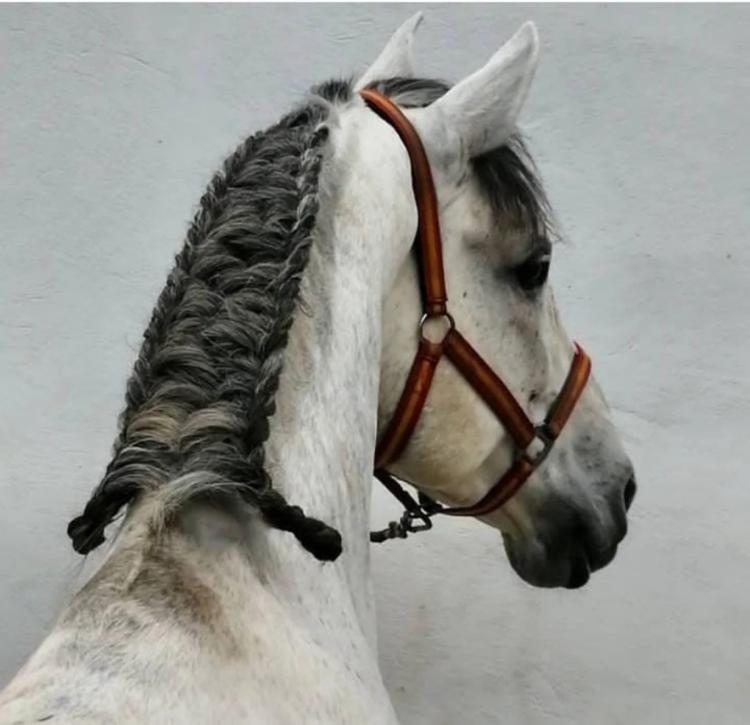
point(112, 119)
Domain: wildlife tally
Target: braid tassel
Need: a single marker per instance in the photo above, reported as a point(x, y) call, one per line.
point(320, 539)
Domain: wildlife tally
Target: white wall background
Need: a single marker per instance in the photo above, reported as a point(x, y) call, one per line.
point(112, 119)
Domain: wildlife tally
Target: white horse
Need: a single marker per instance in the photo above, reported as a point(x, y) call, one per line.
point(203, 610)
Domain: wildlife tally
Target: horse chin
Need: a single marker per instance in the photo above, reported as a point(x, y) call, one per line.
point(570, 569)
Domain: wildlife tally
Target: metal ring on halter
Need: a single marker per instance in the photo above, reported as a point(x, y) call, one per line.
point(540, 445)
point(426, 317)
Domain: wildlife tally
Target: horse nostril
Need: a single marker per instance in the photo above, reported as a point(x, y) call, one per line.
point(629, 493)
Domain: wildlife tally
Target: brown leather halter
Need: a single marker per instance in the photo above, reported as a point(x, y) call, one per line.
point(533, 442)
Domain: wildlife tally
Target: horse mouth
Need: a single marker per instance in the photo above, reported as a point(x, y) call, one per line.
point(566, 551)
point(582, 566)
point(580, 573)
point(569, 571)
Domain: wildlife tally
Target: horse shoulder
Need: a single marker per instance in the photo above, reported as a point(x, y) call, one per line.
point(151, 638)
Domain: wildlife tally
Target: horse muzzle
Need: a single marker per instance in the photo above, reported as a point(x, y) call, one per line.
point(566, 547)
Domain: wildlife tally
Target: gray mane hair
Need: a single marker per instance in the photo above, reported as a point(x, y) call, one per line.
point(202, 390)
point(201, 393)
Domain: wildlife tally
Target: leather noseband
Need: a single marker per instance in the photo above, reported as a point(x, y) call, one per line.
point(532, 442)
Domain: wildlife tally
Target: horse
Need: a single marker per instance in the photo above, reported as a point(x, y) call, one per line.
point(237, 585)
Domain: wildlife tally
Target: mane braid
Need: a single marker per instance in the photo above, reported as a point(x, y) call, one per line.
point(202, 390)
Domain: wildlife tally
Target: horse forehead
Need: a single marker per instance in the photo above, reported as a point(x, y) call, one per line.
point(467, 214)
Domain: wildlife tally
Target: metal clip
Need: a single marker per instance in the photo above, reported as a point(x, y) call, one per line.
point(405, 526)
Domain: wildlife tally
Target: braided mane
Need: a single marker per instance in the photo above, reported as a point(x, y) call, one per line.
point(202, 390)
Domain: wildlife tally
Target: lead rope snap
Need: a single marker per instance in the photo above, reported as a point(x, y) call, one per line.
point(403, 527)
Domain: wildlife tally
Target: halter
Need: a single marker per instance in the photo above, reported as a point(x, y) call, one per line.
point(532, 442)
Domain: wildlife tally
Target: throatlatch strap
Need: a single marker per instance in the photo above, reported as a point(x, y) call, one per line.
point(410, 404)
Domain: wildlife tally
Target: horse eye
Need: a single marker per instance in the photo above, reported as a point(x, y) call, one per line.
point(532, 273)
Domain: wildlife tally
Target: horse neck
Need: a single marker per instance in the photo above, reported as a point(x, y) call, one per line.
point(321, 448)
point(322, 441)
point(322, 438)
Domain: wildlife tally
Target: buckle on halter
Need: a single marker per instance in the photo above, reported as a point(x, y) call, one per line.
point(540, 446)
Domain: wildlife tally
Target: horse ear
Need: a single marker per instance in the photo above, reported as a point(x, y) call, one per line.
point(480, 112)
point(396, 58)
